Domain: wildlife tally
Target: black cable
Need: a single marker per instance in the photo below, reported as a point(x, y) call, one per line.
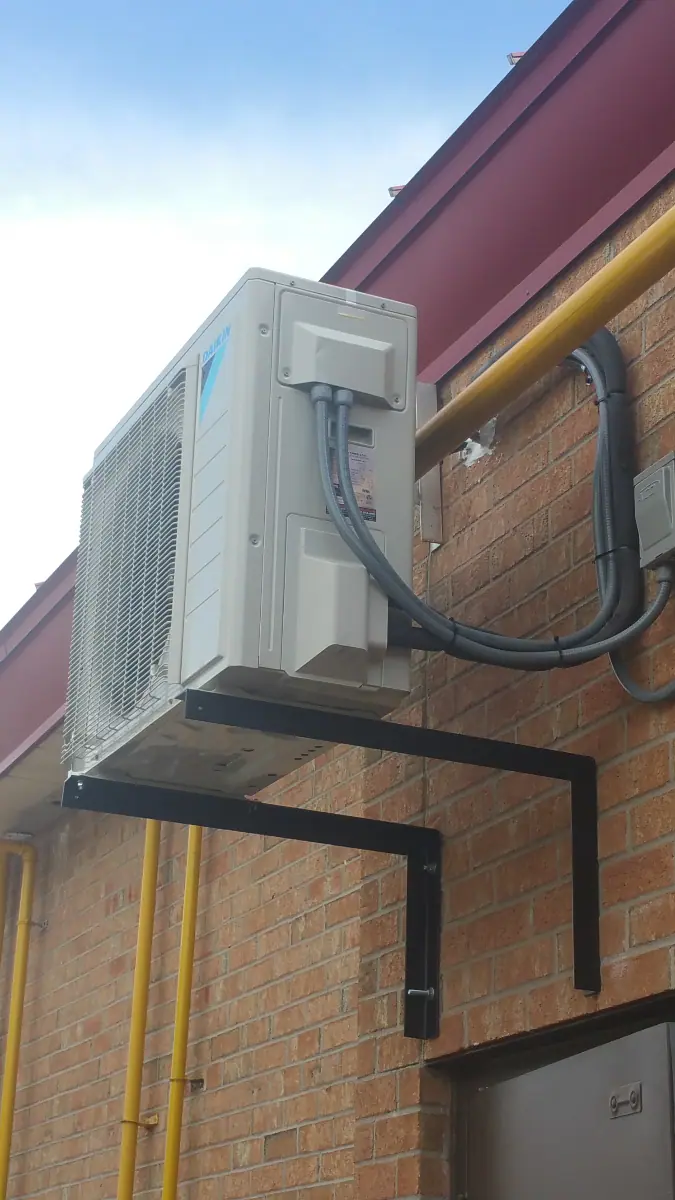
point(446, 629)
point(620, 619)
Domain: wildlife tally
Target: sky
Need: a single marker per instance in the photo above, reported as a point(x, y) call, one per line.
point(150, 152)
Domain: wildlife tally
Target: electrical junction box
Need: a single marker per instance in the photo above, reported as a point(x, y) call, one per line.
point(207, 558)
point(655, 511)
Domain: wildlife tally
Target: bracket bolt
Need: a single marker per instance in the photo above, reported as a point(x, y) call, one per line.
point(427, 993)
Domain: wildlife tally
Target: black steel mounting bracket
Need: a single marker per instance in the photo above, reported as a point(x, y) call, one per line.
point(419, 845)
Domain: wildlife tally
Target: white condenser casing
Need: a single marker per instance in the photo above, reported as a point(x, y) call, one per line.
point(207, 558)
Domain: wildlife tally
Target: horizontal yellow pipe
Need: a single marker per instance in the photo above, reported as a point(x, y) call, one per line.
point(16, 1003)
point(647, 259)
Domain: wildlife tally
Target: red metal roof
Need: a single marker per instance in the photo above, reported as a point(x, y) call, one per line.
point(556, 154)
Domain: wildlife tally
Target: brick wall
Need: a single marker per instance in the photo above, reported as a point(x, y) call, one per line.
point(310, 1089)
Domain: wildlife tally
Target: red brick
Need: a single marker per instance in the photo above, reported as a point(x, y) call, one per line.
point(526, 872)
point(500, 839)
point(515, 967)
point(653, 818)
point(497, 1019)
point(375, 1096)
point(572, 508)
point(550, 724)
point(656, 408)
point(397, 1135)
point(652, 367)
point(393, 1050)
point(468, 982)
point(550, 816)
point(379, 932)
point(574, 587)
point(376, 1181)
point(500, 928)
point(514, 547)
point(633, 978)
point(281, 1145)
point(635, 776)
point(660, 322)
point(613, 933)
point(557, 1001)
point(625, 878)
point(577, 425)
point(653, 920)
point(538, 493)
point(470, 895)
point(612, 834)
point(513, 473)
point(552, 909)
point(470, 579)
point(601, 698)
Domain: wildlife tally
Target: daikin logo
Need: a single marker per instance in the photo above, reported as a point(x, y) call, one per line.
point(211, 361)
point(215, 346)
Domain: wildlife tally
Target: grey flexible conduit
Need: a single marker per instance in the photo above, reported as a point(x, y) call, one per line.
point(619, 578)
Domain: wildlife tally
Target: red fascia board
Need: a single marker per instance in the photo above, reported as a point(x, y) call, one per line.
point(45, 599)
point(568, 36)
point(34, 653)
point(562, 257)
point(38, 735)
point(574, 137)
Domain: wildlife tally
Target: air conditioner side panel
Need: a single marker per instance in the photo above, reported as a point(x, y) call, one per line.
point(227, 503)
point(191, 367)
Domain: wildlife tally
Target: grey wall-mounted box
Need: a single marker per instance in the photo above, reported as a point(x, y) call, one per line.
point(654, 511)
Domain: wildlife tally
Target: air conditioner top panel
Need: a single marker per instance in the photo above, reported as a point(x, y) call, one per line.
point(331, 291)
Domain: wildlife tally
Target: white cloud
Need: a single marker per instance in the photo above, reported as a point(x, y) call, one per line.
point(117, 237)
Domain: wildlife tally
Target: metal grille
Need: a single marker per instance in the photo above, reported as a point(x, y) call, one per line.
point(125, 579)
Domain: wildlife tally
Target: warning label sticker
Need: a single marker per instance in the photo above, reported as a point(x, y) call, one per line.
point(362, 471)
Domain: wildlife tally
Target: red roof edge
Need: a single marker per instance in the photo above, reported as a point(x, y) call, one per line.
point(34, 653)
point(517, 86)
point(48, 596)
point(557, 153)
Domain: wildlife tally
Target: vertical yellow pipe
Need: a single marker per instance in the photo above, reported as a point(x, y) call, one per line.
point(3, 898)
point(16, 1004)
point(182, 1019)
point(139, 1013)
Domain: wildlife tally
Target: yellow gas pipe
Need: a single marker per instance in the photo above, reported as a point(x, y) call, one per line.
point(647, 259)
point(182, 1018)
point(16, 1003)
point(139, 1013)
point(3, 898)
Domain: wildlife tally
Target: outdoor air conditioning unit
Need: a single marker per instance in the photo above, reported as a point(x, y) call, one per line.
point(207, 557)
